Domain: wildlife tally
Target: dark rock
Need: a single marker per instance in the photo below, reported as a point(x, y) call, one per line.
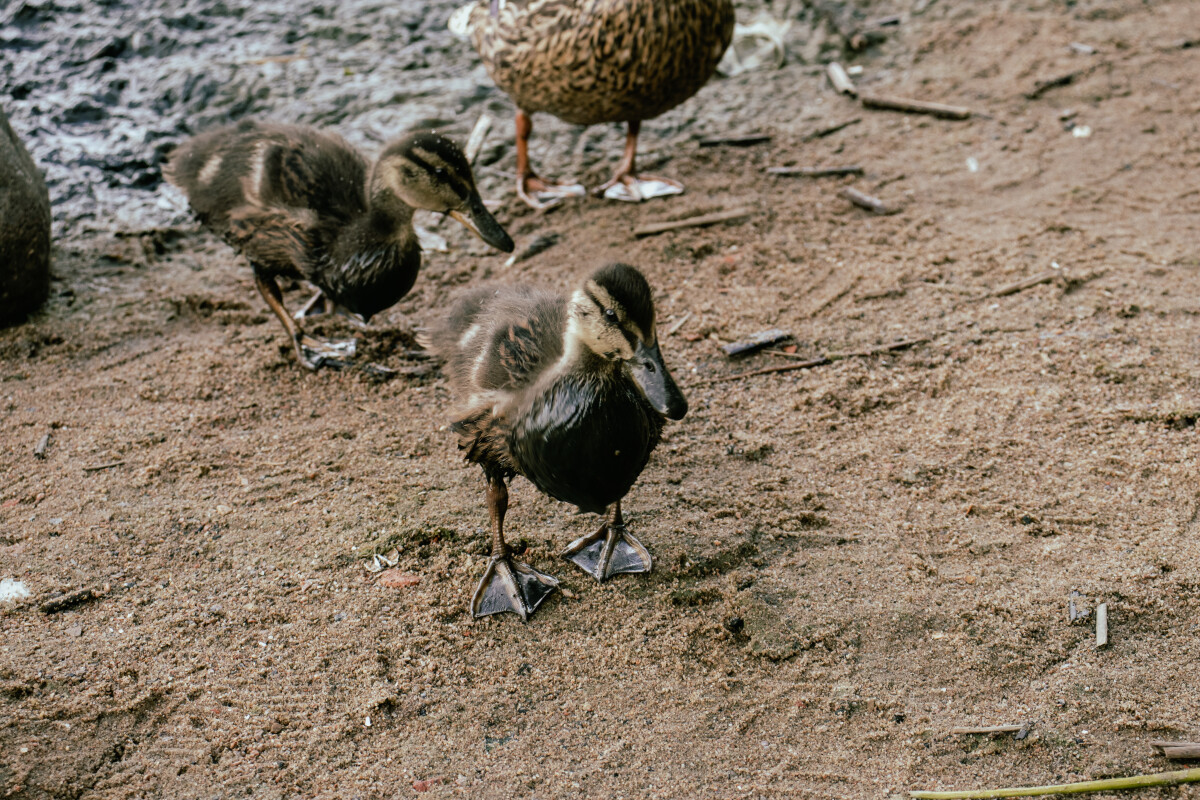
point(24, 230)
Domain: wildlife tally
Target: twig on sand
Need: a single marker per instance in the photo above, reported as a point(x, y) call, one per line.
point(478, 135)
point(1025, 283)
point(1107, 785)
point(40, 450)
point(821, 133)
point(694, 222)
point(99, 467)
point(840, 80)
point(828, 358)
point(70, 600)
point(679, 323)
point(915, 106)
point(1179, 751)
point(991, 729)
point(736, 141)
point(864, 200)
point(815, 172)
point(1102, 625)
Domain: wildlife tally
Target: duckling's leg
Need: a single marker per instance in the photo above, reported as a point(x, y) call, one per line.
point(311, 353)
point(610, 550)
point(507, 585)
point(532, 189)
point(627, 185)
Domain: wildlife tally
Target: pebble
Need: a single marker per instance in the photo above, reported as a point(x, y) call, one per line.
point(395, 579)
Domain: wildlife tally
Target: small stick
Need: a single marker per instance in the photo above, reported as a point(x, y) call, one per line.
point(671, 331)
point(1178, 751)
point(815, 362)
point(736, 141)
point(1102, 625)
point(864, 200)
point(98, 467)
point(815, 172)
point(478, 134)
point(990, 729)
point(43, 443)
point(1107, 785)
point(1026, 283)
point(69, 600)
point(694, 222)
point(915, 106)
point(840, 80)
point(1041, 87)
point(832, 129)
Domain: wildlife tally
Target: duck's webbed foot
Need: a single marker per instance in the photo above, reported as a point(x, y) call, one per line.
point(540, 193)
point(609, 551)
point(315, 353)
point(632, 188)
point(509, 585)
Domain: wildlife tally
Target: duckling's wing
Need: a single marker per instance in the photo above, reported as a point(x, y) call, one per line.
point(270, 166)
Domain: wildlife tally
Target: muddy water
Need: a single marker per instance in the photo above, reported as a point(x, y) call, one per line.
point(102, 91)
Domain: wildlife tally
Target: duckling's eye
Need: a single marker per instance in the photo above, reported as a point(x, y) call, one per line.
point(610, 315)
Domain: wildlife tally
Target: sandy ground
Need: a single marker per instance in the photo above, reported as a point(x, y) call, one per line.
point(851, 560)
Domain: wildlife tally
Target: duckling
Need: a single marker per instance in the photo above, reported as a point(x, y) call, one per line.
point(570, 392)
point(300, 203)
point(593, 61)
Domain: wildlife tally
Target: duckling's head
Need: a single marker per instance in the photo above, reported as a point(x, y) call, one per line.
point(612, 315)
point(427, 170)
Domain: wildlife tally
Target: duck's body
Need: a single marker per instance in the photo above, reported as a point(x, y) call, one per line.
point(301, 203)
point(594, 61)
point(570, 397)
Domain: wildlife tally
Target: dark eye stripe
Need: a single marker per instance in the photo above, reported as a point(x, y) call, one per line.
point(447, 177)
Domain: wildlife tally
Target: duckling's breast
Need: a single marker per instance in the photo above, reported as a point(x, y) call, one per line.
point(371, 279)
point(585, 440)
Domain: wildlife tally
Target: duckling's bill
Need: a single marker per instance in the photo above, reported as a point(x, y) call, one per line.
point(655, 381)
point(479, 221)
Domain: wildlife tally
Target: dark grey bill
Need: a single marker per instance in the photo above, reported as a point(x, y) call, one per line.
point(651, 375)
point(481, 223)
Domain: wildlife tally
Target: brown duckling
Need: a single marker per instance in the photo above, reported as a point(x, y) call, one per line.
point(570, 392)
point(301, 203)
point(593, 61)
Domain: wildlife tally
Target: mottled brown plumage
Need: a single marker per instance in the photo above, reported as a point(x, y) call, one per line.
point(593, 61)
point(304, 204)
point(570, 393)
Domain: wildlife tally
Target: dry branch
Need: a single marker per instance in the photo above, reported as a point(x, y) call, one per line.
point(816, 172)
point(694, 222)
point(840, 80)
point(991, 729)
point(1025, 283)
point(478, 135)
point(915, 106)
point(1107, 785)
point(40, 450)
point(1102, 625)
point(1178, 751)
point(70, 600)
point(821, 133)
point(864, 200)
point(736, 141)
point(815, 362)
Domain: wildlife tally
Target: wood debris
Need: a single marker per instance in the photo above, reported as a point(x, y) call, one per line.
point(99, 467)
point(816, 172)
point(1025, 283)
point(1041, 87)
point(864, 200)
point(1106, 785)
point(478, 134)
point(821, 133)
point(940, 110)
point(736, 141)
point(755, 342)
point(1017, 728)
point(39, 451)
point(1102, 625)
point(70, 600)
point(816, 362)
point(840, 80)
point(704, 220)
point(679, 323)
point(1178, 751)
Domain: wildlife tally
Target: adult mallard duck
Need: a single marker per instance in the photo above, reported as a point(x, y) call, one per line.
point(305, 204)
point(571, 393)
point(593, 61)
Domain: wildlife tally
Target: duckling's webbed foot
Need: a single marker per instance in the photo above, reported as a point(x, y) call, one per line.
point(507, 585)
point(609, 551)
point(315, 353)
